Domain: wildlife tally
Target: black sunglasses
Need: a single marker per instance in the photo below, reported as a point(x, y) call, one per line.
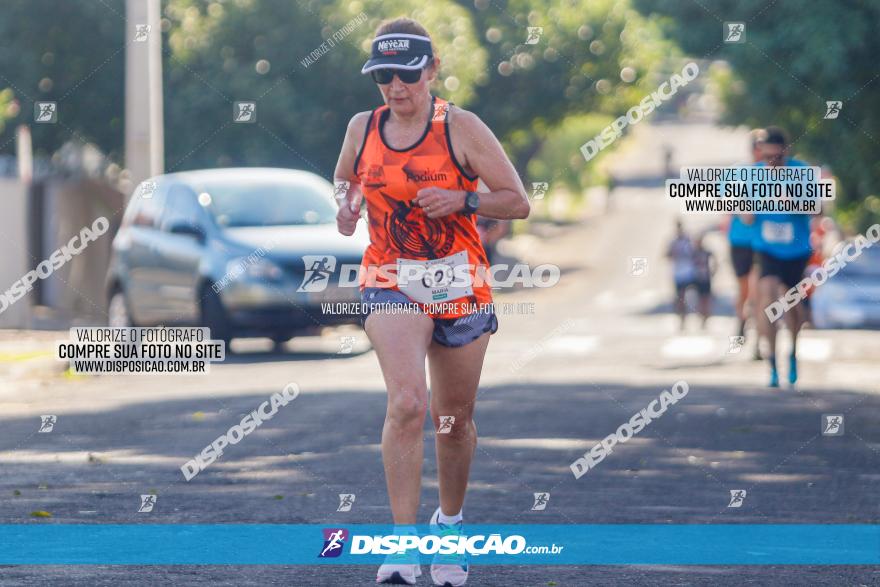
point(407, 76)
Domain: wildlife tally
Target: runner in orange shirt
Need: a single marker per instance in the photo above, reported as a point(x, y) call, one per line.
point(416, 160)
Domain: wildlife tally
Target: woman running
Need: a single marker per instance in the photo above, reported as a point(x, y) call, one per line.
point(416, 160)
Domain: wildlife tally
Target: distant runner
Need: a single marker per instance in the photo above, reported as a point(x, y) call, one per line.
point(742, 255)
point(783, 244)
point(681, 253)
point(704, 268)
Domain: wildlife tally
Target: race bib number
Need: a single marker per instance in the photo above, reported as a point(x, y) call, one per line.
point(435, 280)
point(777, 232)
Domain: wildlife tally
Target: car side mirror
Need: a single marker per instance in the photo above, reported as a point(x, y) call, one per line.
point(187, 229)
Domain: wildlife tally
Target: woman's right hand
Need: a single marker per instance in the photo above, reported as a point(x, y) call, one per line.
point(349, 211)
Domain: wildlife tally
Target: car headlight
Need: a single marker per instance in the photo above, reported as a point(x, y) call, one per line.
point(259, 269)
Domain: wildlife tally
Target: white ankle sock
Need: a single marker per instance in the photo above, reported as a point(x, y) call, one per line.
point(449, 520)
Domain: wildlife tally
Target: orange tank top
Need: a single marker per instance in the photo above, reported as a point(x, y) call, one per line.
point(428, 259)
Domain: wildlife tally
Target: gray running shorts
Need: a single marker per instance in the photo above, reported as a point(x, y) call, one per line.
point(450, 332)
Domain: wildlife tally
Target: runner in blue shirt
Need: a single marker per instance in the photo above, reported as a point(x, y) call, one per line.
point(742, 256)
point(782, 242)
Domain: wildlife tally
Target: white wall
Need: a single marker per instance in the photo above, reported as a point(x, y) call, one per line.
point(14, 244)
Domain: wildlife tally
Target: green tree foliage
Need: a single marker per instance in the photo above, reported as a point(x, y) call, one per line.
point(798, 54)
point(68, 52)
point(560, 162)
point(8, 108)
point(245, 50)
point(592, 57)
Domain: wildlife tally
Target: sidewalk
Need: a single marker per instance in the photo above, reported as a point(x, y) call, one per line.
point(27, 359)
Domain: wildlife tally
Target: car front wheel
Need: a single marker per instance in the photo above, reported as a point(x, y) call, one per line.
point(213, 316)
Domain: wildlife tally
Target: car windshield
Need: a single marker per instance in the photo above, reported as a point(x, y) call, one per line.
point(236, 203)
point(866, 265)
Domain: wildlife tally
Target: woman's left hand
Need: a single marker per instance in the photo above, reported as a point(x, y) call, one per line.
point(439, 202)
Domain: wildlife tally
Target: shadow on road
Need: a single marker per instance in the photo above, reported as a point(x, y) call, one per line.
point(93, 467)
point(680, 468)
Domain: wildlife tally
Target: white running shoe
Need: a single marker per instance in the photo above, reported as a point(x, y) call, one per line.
point(448, 570)
point(394, 572)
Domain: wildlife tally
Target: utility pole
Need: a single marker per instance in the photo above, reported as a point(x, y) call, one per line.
point(144, 136)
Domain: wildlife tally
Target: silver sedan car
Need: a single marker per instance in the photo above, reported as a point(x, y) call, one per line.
point(244, 251)
point(851, 299)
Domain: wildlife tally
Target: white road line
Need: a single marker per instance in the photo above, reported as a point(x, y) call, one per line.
point(689, 347)
point(572, 345)
point(814, 349)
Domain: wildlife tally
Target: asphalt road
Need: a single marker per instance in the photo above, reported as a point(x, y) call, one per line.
point(596, 349)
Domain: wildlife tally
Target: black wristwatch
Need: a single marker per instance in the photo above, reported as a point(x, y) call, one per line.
point(471, 202)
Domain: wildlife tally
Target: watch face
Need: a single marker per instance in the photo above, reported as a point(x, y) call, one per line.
point(472, 201)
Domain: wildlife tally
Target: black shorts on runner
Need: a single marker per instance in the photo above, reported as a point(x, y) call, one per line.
point(789, 271)
point(743, 258)
point(449, 332)
point(703, 288)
